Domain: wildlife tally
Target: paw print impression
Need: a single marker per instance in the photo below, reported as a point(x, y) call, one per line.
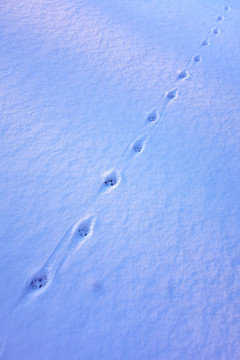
point(83, 232)
point(138, 145)
point(205, 43)
point(153, 116)
point(220, 18)
point(172, 94)
point(227, 8)
point(197, 58)
point(38, 282)
point(137, 148)
point(110, 181)
point(183, 75)
point(84, 229)
point(216, 31)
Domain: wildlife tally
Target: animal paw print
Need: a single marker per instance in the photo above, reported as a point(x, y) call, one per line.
point(137, 148)
point(110, 181)
point(183, 75)
point(216, 31)
point(205, 43)
point(83, 232)
point(139, 145)
point(38, 282)
point(85, 228)
point(220, 18)
point(172, 94)
point(227, 8)
point(197, 58)
point(153, 116)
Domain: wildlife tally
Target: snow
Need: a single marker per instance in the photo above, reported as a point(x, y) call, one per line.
point(119, 187)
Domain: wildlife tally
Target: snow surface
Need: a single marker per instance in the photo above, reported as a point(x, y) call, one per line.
point(120, 180)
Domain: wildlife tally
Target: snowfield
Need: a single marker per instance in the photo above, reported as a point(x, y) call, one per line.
point(120, 180)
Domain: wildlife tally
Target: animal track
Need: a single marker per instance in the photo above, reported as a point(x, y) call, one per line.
point(38, 282)
point(139, 145)
point(216, 31)
point(85, 228)
point(72, 239)
point(82, 230)
point(172, 94)
point(220, 18)
point(183, 75)
point(197, 58)
point(206, 42)
point(153, 116)
point(227, 8)
point(110, 181)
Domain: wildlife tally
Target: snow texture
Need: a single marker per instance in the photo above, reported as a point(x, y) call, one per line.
point(120, 180)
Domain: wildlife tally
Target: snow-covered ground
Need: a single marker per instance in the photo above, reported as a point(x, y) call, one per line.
point(120, 180)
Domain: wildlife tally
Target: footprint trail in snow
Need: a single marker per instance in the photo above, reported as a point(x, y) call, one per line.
point(83, 229)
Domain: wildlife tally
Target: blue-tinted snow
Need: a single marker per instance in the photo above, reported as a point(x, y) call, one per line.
point(138, 253)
